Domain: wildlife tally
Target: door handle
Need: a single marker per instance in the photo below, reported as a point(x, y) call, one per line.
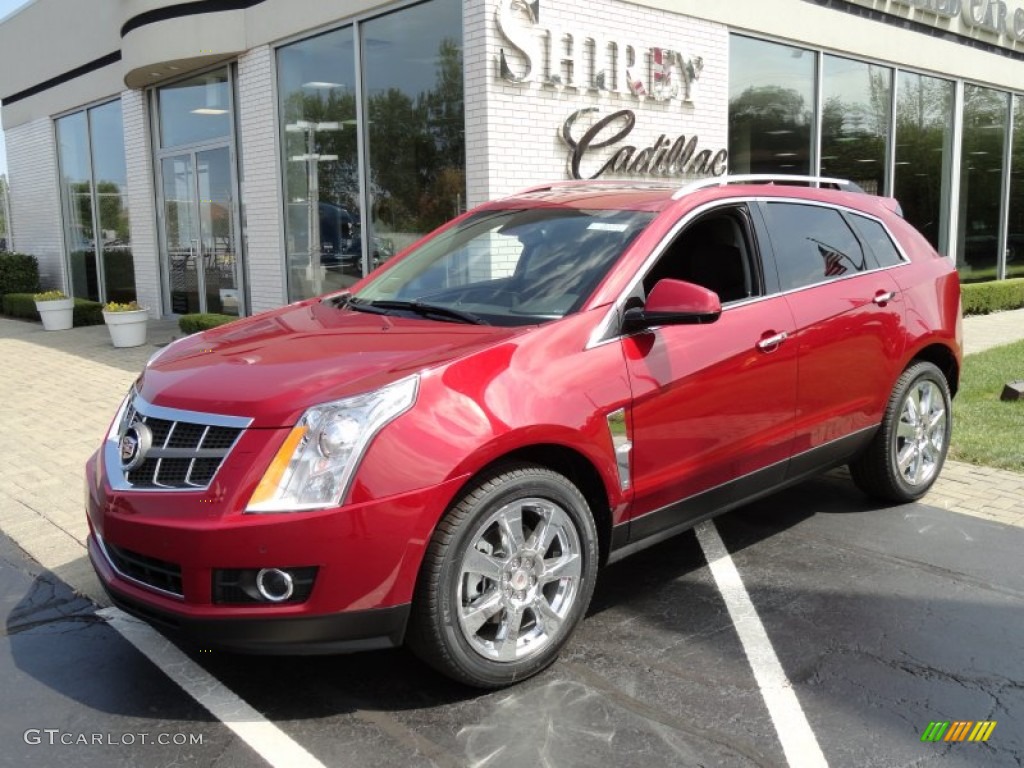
point(884, 297)
point(771, 343)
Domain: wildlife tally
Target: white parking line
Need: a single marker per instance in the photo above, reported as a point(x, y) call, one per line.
point(798, 740)
point(269, 741)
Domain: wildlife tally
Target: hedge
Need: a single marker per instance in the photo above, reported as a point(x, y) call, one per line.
point(993, 296)
point(24, 305)
point(19, 273)
point(202, 322)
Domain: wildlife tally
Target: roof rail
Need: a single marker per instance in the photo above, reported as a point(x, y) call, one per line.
point(764, 178)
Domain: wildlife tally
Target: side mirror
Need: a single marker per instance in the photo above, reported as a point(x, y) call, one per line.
point(674, 302)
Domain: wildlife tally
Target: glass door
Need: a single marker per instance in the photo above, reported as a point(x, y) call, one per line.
point(200, 234)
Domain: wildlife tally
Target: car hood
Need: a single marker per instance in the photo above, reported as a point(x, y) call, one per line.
point(273, 366)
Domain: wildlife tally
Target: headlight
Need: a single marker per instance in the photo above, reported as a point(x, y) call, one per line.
point(315, 465)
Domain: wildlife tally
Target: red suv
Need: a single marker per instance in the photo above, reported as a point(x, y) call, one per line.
point(445, 454)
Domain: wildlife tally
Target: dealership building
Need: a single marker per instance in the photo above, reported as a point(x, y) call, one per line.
point(234, 155)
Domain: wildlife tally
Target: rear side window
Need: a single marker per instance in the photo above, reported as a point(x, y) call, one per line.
point(878, 241)
point(813, 244)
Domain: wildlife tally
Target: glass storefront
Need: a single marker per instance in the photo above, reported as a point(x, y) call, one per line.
point(771, 107)
point(1015, 221)
point(774, 127)
point(395, 160)
point(94, 201)
point(414, 107)
point(986, 123)
point(317, 103)
point(855, 120)
point(199, 198)
point(924, 153)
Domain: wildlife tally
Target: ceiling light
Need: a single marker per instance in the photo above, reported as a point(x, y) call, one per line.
point(321, 84)
point(209, 111)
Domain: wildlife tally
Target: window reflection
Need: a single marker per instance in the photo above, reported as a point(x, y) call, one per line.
point(76, 188)
point(415, 113)
point(195, 110)
point(1015, 225)
point(924, 150)
point(111, 175)
point(855, 120)
point(319, 135)
point(771, 107)
point(986, 118)
point(91, 148)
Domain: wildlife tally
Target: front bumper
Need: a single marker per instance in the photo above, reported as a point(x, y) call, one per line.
point(366, 558)
point(344, 632)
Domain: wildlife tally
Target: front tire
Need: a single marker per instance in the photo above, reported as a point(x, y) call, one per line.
point(906, 456)
point(507, 577)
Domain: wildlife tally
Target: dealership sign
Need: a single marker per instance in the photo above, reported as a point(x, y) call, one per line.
point(589, 61)
point(994, 17)
point(604, 67)
point(606, 139)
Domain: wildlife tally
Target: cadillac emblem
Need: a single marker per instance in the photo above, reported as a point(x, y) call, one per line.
point(134, 445)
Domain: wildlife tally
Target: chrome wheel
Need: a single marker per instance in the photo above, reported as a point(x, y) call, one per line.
point(920, 437)
point(519, 579)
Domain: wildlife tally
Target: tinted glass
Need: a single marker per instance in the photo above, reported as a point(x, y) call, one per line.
point(855, 120)
point(1015, 225)
point(512, 267)
point(986, 122)
point(812, 244)
point(195, 110)
point(877, 240)
point(924, 154)
point(319, 135)
point(771, 107)
point(412, 70)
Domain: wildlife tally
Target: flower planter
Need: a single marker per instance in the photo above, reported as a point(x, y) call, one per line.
point(56, 314)
point(127, 329)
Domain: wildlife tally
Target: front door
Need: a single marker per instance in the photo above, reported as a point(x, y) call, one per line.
point(200, 232)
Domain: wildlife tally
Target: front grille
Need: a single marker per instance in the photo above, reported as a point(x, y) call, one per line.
point(148, 571)
point(186, 451)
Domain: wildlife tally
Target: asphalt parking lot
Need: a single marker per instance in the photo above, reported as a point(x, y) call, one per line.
point(883, 619)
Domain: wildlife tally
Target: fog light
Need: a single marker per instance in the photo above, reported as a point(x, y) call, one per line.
point(274, 584)
point(252, 586)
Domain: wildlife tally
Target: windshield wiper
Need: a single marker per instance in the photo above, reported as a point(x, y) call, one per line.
point(425, 309)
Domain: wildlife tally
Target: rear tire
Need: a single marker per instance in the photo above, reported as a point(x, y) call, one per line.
point(506, 579)
point(907, 454)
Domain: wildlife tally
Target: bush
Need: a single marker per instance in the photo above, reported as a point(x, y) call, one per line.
point(203, 322)
point(20, 305)
point(994, 296)
point(19, 273)
point(88, 313)
point(24, 305)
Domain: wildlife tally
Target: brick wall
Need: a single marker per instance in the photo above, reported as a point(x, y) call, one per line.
point(512, 129)
point(261, 197)
point(35, 198)
point(141, 201)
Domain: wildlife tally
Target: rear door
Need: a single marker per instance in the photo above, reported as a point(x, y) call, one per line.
point(713, 405)
point(850, 327)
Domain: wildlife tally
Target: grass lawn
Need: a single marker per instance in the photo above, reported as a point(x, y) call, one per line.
point(985, 429)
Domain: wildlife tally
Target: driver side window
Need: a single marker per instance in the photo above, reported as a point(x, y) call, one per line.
point(715, 252)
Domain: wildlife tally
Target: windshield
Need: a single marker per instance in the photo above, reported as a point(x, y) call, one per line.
point(510, 267)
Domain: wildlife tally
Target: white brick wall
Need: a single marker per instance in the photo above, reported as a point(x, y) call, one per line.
point(512, 129)
point(261, 196)
point(141, 201)
point(35, 198)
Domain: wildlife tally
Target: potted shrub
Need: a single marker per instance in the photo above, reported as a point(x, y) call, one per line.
point(55, 309)
point(126, 323)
